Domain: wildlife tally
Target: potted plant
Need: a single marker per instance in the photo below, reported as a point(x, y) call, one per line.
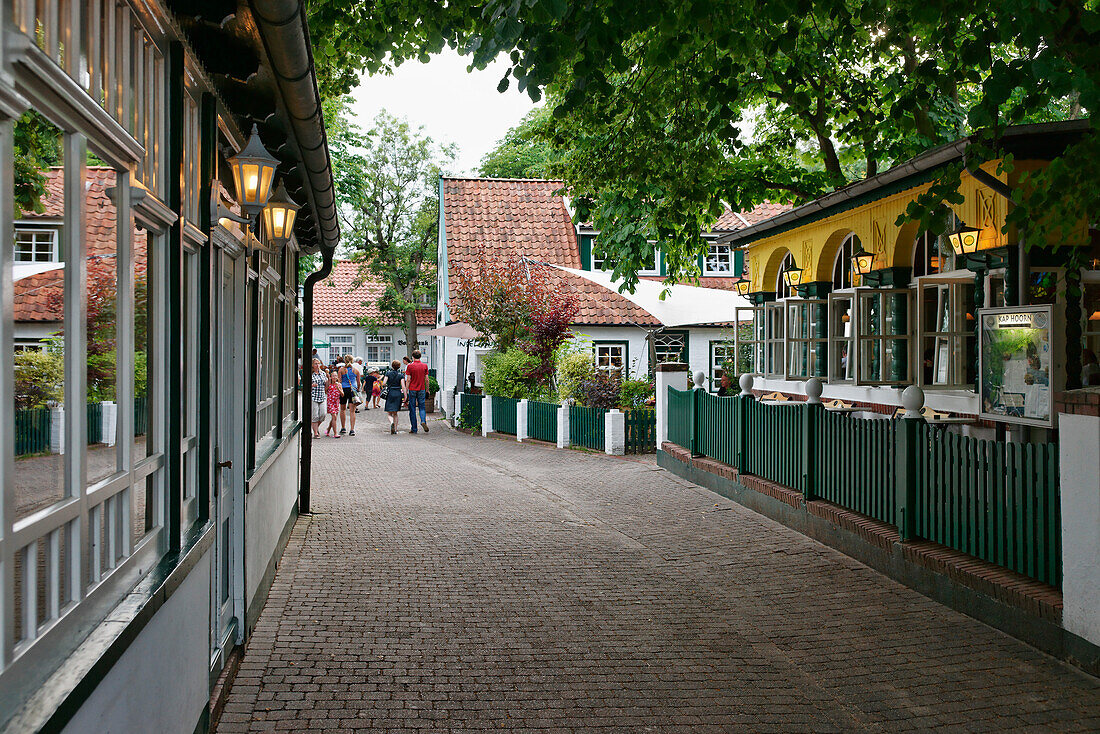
point(433, 388)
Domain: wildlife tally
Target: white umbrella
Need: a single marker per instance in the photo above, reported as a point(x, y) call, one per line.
point(684, 305)
point(457, 330)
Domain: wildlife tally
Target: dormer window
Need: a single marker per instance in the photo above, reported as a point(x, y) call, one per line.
point(36, 244)
point(718, 260)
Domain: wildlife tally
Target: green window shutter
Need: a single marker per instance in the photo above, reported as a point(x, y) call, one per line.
point(586, 252)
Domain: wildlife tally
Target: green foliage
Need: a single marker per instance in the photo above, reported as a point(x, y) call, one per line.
point(635, 393)
point(39, 378)
point(510, 374)
point(573, 365)
point(433, 385)
point(37, 144)
point(599, 390)
point(526, 151)
point(387, 192)
point(780, 100)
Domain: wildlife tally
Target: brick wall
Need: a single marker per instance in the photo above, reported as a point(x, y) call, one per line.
point(1085, 401)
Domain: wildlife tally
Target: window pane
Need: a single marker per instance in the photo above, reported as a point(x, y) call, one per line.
point(101, 250)
point(142, 355)
point(38, 315)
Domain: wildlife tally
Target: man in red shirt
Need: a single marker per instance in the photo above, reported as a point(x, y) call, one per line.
point(416, 375)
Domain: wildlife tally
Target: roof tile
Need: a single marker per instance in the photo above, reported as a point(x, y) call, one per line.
point(338, 302)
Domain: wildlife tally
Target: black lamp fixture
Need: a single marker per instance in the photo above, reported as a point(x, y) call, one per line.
point(792, 276)
point(964, 242)
point(743, 285)
point(254, 171)
point(279, 216)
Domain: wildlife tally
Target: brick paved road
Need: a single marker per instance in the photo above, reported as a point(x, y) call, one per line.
point(456, 583)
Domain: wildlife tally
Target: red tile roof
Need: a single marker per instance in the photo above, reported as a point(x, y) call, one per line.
point(338, 302)
point(509, 218)
point(731, 221)
point(40, 297)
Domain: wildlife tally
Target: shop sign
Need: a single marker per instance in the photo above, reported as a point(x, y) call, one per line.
point(1015, 365)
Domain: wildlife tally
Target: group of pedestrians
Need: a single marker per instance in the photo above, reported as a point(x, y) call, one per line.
point(340, 389)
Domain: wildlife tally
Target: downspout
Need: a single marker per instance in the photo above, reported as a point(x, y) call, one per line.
point(307, 377)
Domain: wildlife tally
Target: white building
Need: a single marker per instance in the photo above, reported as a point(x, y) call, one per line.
point(340, 308)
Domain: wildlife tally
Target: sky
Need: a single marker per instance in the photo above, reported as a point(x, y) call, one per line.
point(453, 106)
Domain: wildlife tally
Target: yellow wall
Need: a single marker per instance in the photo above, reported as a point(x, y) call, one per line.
point(815, 245)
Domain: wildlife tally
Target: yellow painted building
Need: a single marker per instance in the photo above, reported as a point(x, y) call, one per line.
point(912, 319)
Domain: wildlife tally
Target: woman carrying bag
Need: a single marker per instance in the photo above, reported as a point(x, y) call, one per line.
point(393, 392)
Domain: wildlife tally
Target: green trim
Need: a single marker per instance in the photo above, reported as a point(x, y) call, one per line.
point(252, 293)
point(173, 299)
point(759, 299)
point(586, 251)
point(817, 289)
point(208, 111)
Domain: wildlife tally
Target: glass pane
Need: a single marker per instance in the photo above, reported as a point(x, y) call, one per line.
point(101, 250)
point(1090, 370)
point(142, 405)
point(38, 315)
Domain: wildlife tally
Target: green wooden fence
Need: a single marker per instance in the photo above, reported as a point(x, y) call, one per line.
point(469, 411)
point(994, 500)
point(680, 417)
point(95, 423)
point(32, 431)
point(854, 463)
point(542, 421)
point(504, 415)
point(586, 427)
point(775, 450)
point(641, 431)
point(715, 426)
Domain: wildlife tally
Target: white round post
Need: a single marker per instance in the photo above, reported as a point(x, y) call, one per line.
point(521, 420)
point(486, 415)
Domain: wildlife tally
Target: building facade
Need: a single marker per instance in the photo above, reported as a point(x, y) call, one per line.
point(136, 550)
point(347, 320)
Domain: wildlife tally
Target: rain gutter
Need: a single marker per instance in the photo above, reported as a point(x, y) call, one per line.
point(307, 372)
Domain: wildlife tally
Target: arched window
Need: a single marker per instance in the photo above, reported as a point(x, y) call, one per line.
point(926, 255)
point(781, 289)
point(842, 266)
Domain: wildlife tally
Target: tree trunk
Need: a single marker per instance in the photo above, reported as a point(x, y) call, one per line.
point(411, 342)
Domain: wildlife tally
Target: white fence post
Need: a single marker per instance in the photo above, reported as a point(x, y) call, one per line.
point(521, 420)
point(563, 425)
point(614, 432)
point(1079, 466)
point(57, 430)
point(108, 422)
point(486, 415)
point(674, 374)
point(448, 404)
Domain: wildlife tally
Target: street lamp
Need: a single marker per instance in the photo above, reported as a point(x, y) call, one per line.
point(253, 172)
point(279, 216)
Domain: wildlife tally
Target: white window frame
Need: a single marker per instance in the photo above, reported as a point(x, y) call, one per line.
point(866, 343)
point(842, 337)
point(605, 362)
point(714, 250)
point(950, 352)
point(801, 338)
point(36, 229)
point(720, 351)
point(337, 342)
point(755, 343)
point(775, 342)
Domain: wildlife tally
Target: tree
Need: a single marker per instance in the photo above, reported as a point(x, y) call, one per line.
point(387, 192)
point(671, 109)
point(515, 304)
point(526, 151)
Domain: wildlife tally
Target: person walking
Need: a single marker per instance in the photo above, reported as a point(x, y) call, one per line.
point(376, 388)
point(334, 392)
point(317, 394)
point(357, 365)
point(368, 382)
point(416, 380)
point(349, 381)
point(394, 392)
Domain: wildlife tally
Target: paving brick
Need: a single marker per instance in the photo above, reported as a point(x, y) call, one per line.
point(453, 583)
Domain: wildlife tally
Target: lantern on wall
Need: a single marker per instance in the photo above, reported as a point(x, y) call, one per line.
point(279, 216)
point(863, 262)
point(253, 172)
point(964, 240)
point(743, 285)
point(792, 276)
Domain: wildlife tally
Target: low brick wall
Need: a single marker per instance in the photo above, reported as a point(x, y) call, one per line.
point(1021, 606)
point(1085, 401)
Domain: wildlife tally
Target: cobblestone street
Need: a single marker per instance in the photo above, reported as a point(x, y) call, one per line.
point(448, 582)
